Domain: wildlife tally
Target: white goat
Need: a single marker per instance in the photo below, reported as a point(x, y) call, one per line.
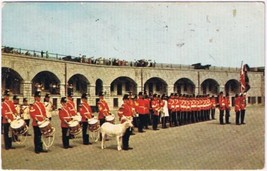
point(117, 130)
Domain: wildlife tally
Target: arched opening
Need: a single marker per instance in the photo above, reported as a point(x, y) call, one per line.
point(79, 84)
point(98, 86)
point(155, 85)
point(46, 82)
point(210, 86)
point(184, 86)
point(232, 87)
point(122, 85)
point(11, 80)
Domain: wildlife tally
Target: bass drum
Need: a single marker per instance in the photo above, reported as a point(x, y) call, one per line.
point(18, 126)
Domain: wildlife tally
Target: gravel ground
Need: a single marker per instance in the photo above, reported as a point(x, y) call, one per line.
point(204, 145)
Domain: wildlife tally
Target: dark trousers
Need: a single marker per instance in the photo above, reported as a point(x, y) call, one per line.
point(142, 118)
point(65, 137)
point(135, 121)
point(164, 121)
point(243, 112)
point(37, 139)
point(84, 132)
point(227, 115)
point(155, 122)
point(221, 116)
point(7, 139)
point(147, 121)
point(173, 119)
point(126, 137)
point(212, 113)
point(237, 117)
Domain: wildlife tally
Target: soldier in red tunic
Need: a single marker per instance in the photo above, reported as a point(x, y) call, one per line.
point(126, 111)
point(142, 111)
point(65, 117)
point(213, 106)
point(103, 109)
point(243, 107)
point(156, 111)
point(38, 114)
point(9, 113)
point(86, 113)
point(71, 106)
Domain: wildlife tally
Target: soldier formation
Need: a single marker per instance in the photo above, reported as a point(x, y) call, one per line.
point(144, 110)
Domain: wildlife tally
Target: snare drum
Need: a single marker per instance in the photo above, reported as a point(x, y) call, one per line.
point(19, 126)
point(93, 124)
point(110, 118)
point(75, 127)
point(45, 127)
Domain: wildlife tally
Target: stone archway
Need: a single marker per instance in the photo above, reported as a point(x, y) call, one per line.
point(79, 83)
point(232, 87)
point(184, 86)
point(210, 86)
point(98, 86)
point(155, 85)
point(122, 85)
point(11, 80)
point(47, 82)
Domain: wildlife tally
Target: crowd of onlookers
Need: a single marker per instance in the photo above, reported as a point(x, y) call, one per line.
point(82, 58)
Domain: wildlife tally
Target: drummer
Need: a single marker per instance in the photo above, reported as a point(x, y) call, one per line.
point(71, 105)
point(9, 113)
point(103, 110)
point(65, 117)
point(25, 114)
point(48, 106)
point(38, 114)
point(86, 113)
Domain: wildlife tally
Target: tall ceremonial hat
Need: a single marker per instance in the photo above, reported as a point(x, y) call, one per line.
point(63, 100)
point(101, 93)
point(7, 92)
point(84, 96)
point(37, 94)
point(140, 94)
point(70, 94)
point(125, 97)
point(15, 97)
point(47, 95)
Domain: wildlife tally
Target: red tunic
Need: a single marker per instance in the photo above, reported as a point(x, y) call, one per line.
point(103, 109)
point(155, 106)
point(237, 104)
point(243, 102)
point(8, 111)
point(37, 112)
point(85, 111)
point(142, 107)
point(213, 102)
point(71, 107)
point(64, 116)
point(227, 103)
point(221, 103)
point(125, 110)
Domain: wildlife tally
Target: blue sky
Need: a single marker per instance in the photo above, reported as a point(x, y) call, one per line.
point(220, 34)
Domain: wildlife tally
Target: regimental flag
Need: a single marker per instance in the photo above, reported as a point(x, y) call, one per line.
point(244, 80)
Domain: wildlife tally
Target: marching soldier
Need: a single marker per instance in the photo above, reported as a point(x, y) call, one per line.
point(25, 114)
point(65, 117)
point(227, 109)
point(48, 106)
point(221, 107)
point(125, 112)
point(9, 113)
point(243, 107)
point(86, 113)
point(149, 109)
point(237, 109)
point(156, 110)
point(38, 114)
